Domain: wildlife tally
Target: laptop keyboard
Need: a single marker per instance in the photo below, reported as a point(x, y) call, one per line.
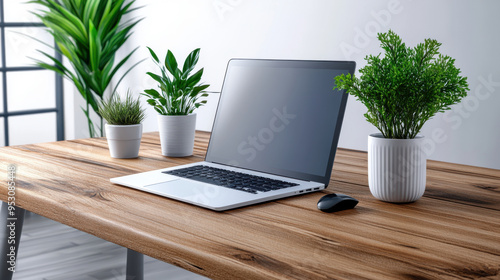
point(230, 179)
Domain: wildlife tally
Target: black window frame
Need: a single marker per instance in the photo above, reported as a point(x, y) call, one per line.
point(59, 101)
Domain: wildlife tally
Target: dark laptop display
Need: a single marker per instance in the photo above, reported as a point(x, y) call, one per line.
point(295, 132)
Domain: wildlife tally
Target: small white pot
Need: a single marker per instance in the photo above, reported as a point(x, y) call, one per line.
point(124, 140)
point(396, 168)
point(177, 135)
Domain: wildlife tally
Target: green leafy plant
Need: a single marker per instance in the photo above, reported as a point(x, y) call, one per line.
point(88, 33)
point(118, 112)
point(406, 87)
point(179, 91)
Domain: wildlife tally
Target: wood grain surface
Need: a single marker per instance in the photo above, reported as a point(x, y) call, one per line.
point(452, 232)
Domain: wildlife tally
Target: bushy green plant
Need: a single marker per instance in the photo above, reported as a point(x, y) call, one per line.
point(88, 33)
point(179, 91)
point(118, 112)
point(406, 87)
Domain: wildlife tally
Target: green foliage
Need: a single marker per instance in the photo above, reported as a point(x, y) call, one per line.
point(179, 91)
point(406, 87)
point(118, 112)
point(88, 33)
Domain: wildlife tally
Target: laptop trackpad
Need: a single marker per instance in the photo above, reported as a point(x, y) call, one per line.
point(186, 190)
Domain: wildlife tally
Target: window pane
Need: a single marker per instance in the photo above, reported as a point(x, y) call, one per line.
point(19, 11)
point(2, 133)
point(30, 129)
point(21, 49)
point(30, 90)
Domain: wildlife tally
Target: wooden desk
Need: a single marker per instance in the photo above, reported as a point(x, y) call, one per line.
point(453, 232)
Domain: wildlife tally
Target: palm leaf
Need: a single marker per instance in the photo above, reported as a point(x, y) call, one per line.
point(90, 10)
point(109, 21)
point(94, 48)
point(71, 23)
point(88, 33)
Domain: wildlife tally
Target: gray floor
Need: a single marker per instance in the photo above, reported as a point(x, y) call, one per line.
point(52, 251)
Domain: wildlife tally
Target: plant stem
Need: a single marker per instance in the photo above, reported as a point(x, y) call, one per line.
point(102, 124)
point(88, 120)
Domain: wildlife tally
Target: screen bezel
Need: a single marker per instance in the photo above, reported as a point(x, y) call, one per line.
point(348, 66)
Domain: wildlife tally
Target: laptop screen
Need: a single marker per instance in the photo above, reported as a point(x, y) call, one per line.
point(280, 117)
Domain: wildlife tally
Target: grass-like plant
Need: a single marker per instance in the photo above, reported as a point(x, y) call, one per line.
point(179, 91)
point(118, 112)
point(88, 33)
point(406, 87)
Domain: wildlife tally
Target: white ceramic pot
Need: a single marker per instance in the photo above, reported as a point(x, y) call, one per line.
point(396, 168)
point(177, 135)
point(124, 140)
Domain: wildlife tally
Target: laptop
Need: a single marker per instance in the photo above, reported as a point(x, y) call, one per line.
point(275, 135)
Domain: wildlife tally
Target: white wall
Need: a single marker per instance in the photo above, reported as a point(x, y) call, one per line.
point(339, 30)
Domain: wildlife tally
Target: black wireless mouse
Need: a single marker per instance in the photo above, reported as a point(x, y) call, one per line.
point(336, 202)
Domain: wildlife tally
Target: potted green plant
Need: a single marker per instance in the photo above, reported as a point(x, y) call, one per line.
point(402, 90)
point(88, 35)
point(124, 125)
point(177, 98)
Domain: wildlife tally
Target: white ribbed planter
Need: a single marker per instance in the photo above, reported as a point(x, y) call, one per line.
point(177, 135)
point(124, 140)
point(396, 168)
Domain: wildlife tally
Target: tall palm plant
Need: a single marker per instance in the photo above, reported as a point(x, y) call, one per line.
point(88, 33)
